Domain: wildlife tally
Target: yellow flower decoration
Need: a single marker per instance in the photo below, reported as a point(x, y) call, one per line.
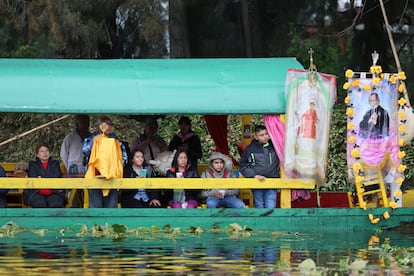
point(359, 179)
point(393, 205)
point(382, 76)
point(393, 79)
point(370, 216)
point(346, 86)
point(399, 180)
point(355, 153)
point(401, 75)
point(402, 101)
point(397, 193)
point(375, 221)
point(350, 111)
point(386, 215)
point(402, 168)
point(367, 87)
point(401, 87)
point(401, 115)
point(401, 154)
point(356, 83)
point(349, 73)
point(357, 166)
point(401, 142)
point(376, 81)
point(350, 126)
point(351, 139)
point(347, 99)
point(401, 128)
point(375, 69)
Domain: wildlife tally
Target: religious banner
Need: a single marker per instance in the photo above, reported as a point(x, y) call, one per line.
point(310, 97)
point(374, 127)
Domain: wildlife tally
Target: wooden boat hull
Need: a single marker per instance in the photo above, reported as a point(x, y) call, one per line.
point(298, 220)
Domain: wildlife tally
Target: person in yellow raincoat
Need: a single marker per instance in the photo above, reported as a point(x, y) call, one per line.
point(106, 156)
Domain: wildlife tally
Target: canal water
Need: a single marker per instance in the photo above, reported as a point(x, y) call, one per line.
point(116, 250)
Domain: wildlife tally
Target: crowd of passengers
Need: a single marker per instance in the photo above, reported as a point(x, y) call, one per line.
point(94, 156)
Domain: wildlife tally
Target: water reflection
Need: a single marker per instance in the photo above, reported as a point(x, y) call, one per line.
point(210, 253)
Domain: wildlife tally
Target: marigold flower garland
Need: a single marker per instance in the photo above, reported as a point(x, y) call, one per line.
point(359, 174)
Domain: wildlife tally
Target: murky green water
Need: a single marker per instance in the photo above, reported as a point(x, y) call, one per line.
point(206, 253)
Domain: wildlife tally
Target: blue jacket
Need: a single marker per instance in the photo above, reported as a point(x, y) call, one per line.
point(260, 159)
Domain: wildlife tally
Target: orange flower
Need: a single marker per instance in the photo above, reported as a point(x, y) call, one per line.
point(367, 87)
point(401, 87)
point(347, 99)
point(376, 81)
point(402, 101)
point(351, 139)
point(402, 168)
point(350, 126)
point(401, 128)
point(349, 73)
point(401, 142)
point(357, 167)
point(354, 153)
point(359, 179)
point(356, 83)
point(401, 115)
point(346, 86)
point(397, 193)
point(401, 154)
point(375, 221)
point(401, 75)
point(386, 215)
point(393, 79)
point(350, 111)
point(399, 180)
point(393, 205)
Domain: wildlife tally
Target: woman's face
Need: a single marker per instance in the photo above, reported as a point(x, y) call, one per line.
point(43, 153)
point(138, 158)
point(182, 160)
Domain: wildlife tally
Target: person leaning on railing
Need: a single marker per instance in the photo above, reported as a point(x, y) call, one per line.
point(44, 167)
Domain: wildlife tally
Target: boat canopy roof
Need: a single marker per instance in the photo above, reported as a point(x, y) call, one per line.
point(145, 86)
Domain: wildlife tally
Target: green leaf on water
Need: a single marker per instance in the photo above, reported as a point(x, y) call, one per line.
point(119, 228)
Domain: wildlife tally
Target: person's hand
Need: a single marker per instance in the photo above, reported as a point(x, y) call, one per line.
point(155, 202)
point(218, 195)
point(260, 177)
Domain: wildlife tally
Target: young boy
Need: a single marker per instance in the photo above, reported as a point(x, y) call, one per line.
point(260, 161)
point(220, 166)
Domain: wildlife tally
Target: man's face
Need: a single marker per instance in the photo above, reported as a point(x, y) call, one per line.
point(373, 101)
point(262, 136)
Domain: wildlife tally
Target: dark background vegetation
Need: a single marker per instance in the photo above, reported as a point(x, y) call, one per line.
point(103, 29)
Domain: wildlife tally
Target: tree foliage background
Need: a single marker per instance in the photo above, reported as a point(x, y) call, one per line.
point(103, 29)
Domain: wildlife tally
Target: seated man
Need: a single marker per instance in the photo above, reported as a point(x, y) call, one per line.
point(3, 192)
point(220, 166)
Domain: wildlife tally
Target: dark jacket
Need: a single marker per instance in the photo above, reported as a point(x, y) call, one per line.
point(190, 172)
point(130, 173)
point(259, 159)
point(194, 147)
point(35, 169)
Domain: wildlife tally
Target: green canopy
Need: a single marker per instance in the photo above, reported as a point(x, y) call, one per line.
point(145, 86)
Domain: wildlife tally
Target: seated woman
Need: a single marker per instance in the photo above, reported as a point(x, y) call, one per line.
point(3, 192)
point(44, 166)
point(140, 198)
point(220, 166)
point(181, 167)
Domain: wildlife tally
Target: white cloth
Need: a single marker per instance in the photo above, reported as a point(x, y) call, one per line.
point(71, 150)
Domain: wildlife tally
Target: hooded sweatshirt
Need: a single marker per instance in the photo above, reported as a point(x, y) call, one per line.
point(225, 173)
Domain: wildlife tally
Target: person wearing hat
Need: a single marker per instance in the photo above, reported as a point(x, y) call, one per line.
point(220, 166)
point(187, 140)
